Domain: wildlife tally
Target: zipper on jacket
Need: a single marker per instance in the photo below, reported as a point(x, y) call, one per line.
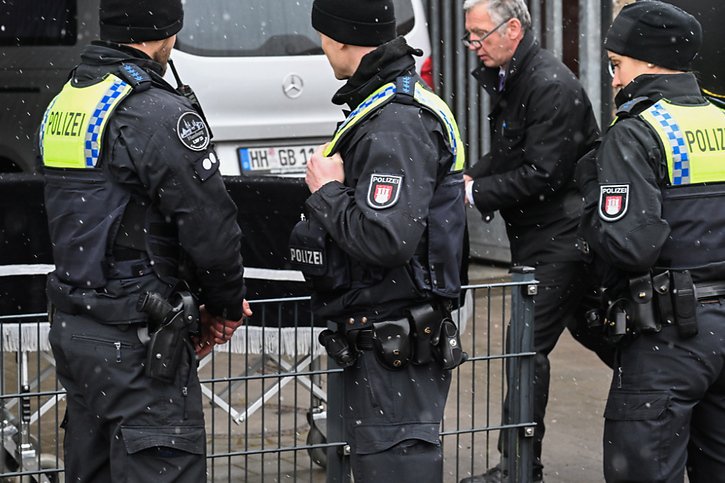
point(97, 340)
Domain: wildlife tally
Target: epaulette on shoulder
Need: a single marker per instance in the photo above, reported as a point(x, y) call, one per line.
point(405, 89)
point(634, 107)
point(137, 78)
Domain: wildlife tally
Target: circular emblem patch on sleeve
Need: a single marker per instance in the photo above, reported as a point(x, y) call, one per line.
point(384, 190)
point(192, 131)
point(613, 201)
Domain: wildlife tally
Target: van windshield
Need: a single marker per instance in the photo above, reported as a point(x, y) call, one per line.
point(250, 28)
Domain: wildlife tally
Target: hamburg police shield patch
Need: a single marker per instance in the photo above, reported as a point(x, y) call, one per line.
point(384, 190)
point(192, 131)
point(613, 201)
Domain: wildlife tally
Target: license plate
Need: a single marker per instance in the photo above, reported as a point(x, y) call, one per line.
point(275, 159)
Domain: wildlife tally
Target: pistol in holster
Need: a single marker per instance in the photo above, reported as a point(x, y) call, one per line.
point(171, 323)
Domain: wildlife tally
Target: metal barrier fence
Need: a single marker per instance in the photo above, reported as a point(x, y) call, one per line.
point(273, 400)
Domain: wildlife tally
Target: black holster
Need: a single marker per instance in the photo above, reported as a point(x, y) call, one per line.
point(170, 325)
point(435, 337)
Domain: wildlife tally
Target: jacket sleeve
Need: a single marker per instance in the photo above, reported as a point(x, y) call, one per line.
point(555, 116)
point(202, 210)
point(386, 237)
point(481, 168)
point(629, 155)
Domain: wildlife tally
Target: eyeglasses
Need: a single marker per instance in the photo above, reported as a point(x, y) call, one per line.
point(611, 67)
point(476, 43)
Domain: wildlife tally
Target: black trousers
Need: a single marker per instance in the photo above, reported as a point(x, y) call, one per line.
point(561, 302)
point(120, 425)
point(666, 406)
point(392, 420)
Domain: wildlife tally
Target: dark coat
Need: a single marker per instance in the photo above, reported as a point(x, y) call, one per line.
point(632, 154)
point(541, 124)
point(400, 140)
point(143, 154)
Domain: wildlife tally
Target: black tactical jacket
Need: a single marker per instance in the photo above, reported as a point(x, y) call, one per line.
point(383, 247)
point(147, 158)
point(541, 124)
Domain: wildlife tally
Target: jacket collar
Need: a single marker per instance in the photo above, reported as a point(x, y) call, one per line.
point(382, 65)
point(488, 76)
point(101, 57)
point(682, 87)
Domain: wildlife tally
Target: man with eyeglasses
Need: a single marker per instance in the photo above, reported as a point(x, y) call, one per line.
point(541, 123)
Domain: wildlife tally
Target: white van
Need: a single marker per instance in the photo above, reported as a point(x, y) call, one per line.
point(256, 67)
point(258, 70)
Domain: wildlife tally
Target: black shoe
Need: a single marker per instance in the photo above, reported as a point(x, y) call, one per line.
point(496, 475)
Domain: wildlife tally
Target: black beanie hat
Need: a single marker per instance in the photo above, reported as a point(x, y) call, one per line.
point(656, 32)
point(130, 22)
point(355, 22)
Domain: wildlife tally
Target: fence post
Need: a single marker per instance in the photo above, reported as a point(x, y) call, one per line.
point(520, 365)
point(338, 459)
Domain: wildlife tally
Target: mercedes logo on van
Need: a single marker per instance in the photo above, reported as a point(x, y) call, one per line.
point(292, 86)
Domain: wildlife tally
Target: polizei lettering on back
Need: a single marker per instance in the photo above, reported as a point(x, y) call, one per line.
point(706, 139)
point(66, 123)
point(306, 256)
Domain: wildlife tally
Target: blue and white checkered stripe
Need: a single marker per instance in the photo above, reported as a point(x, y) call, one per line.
point(680, 155)
point(41, 134)
point(387, 92)
point(92, 145)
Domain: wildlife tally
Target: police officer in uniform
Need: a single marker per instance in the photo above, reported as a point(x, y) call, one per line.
point(382, 244)
point(132, 189)
point(654, 195)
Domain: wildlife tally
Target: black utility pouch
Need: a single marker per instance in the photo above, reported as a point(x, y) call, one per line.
point(393, 347)
point(426, 323)
point(661, 284)
point(313, 252)
point(684, 301)
point(643, 312)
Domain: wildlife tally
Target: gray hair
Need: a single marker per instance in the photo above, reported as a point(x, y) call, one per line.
point(500, 10)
